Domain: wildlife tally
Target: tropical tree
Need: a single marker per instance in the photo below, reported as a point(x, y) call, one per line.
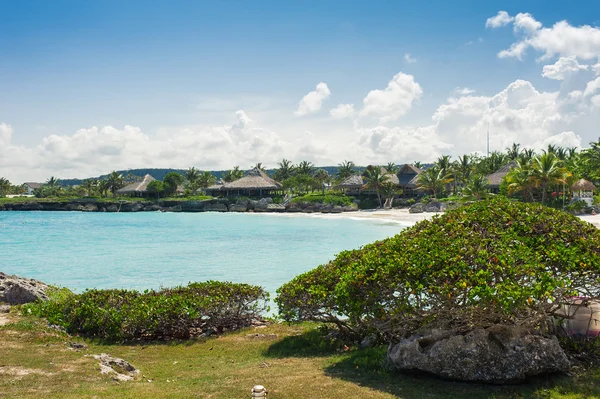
point(115, 182)
point(464, 167)
point(444, 162)
point(192, 176)
point(391, 167)
point(547, 170)
point(513, 151)
point(476, 187)
point(259, 166)
point(4, 186)
point(285, 170)
point(305, 168)
point(345, 170)
point(433, 180)
point(418, 164)
point(321, 176)
point(526, 155)
point(519, 180)
point(90, 186)
point(388, 191)
point(374, 180)
point(233, 174)
point(156, 187)
point(103, 187)
point(206, 179)
point(171, 181)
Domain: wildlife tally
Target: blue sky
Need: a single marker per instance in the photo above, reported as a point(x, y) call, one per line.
point(172, 74)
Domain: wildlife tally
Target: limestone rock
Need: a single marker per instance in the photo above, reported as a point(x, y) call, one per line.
point(238, 208)
point(433, 206)
point(499, 355)
point(112, 208)
point(16, 290)
point(151, 208)
point(215, 207)
point(119, 369)
point(417, 208)
point(276, 208)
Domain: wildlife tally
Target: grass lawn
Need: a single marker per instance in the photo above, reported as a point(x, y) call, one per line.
point(291, 361)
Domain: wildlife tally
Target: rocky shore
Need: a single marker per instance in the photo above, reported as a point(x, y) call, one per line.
point(211, 205)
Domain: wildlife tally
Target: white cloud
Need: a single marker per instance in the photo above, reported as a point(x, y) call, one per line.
point(409, 59)
point(564, 66)
point(5, 134)
point(342, 111)
point(562, 39)
point(393, 101)
point(464, 91)
point(499, 20)
point(526, 23)
point(313, 101)
point(592, 87)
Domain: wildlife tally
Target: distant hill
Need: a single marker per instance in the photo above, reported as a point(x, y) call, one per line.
point(159, 173)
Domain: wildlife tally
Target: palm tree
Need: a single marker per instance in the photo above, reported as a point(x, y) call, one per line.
point(192, 175)
point(526, 155)
point(345, 170)
point(374, 180)
point(285, 171)
point(518, 180)
point(547, 170)
point(259, 166)
point(389, 190)
point(103, 187)
point(476, 187)
point(418, 164)
point(233, 174)
point(90, 186)
point(4, 186)
point(115, 181)
point(391, 167)
point(513, 151)
point(52, 187)
point(305, 168)
point(52, 182)
point(443, 162)
point(206, 179)
point(321, 176)
point(433, 180)
point(464, 168)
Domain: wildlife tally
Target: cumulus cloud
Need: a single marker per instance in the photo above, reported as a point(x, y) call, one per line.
point(394, 101)
point(564, 66)
point(499, 20)
point(5, 134)
point(464, 91)
point(409, 59)
point(313, 101)
point(562, 39)
point(342, 111)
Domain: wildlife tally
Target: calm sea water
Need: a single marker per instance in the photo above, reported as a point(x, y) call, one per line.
point(153, 250)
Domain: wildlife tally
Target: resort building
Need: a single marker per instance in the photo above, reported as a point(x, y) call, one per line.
point(405, 179)
point(138, 189)
point(256, 183)
point(31, 186)
point(496, 178)
point(584, 190)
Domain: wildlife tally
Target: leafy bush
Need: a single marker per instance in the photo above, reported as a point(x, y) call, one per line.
point(327, 199)
point(178, 313)
point(368, 203)
point(490, 262)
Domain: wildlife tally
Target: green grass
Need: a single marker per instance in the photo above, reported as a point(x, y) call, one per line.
point(329, 199)
point(291, 361)
point(109, 199)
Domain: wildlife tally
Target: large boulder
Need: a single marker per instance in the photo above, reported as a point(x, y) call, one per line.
point(433, 206)
point(16, 290)
point(498, 355)
point(417, 208)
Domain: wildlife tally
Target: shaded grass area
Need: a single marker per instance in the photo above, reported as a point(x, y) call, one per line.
point(292, 361)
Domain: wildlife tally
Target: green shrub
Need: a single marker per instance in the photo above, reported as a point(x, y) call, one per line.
point(173, 313)
point(327, 199)
point(490, 262)
point(368, 203)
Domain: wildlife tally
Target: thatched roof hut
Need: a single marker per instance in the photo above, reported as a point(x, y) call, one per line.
point(583, 185)
point(137, 188)
point(351, 182)
point(495, 179)
point(255, 179)
point(408, 175)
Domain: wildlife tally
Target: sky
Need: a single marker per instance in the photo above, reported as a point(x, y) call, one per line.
point(91, 86)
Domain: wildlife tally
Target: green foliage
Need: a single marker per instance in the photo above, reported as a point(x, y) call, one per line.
point(327, 199)
point(174, 313)
point(156, 187)
point(171, 181)
point(493, 261)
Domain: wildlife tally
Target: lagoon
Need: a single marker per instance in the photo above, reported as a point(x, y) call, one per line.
point(153, 249)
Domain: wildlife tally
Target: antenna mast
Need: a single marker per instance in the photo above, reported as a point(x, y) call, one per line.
point(488, 140)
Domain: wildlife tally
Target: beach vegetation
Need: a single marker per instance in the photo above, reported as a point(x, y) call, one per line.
point(326, 199)
point(170, 313)
point(491, 262)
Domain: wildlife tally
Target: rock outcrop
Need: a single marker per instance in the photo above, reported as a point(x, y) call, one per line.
point(16, 290)
point(498, 355)
point(118, 369)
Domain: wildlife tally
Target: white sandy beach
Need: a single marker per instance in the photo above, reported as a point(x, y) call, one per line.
point(402, 216)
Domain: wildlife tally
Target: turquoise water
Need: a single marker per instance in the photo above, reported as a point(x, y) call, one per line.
point(149, 250)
